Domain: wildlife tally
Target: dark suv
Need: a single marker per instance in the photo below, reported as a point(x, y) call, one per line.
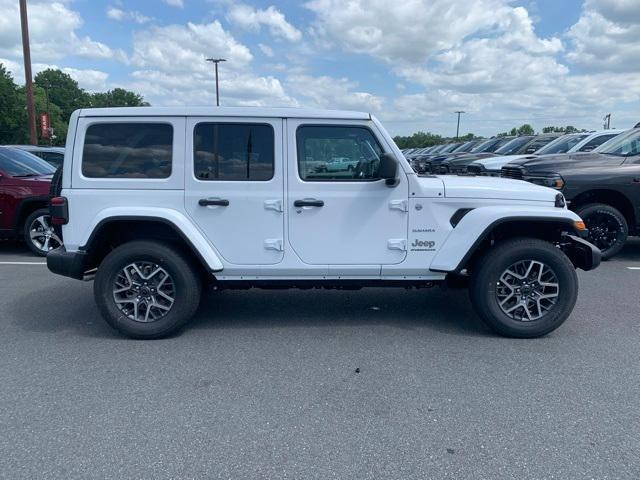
point(24, 196)
point(602, 186)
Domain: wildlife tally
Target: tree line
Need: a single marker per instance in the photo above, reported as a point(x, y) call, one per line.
point(56, 93)
point(427, 139)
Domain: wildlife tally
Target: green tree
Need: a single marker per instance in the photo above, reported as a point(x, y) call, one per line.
point(13, 115)
point(63, 91)
point(418, 140)
point(525, 129)
point(118, 97)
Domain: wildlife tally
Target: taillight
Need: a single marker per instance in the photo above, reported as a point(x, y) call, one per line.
point(59, 210)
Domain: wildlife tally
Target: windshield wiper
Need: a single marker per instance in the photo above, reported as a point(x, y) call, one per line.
point(30, 175)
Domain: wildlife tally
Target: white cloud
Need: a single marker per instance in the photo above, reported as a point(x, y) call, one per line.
point(52, 29)
point(118, 14)
point(91, 80)
point(620, 11)
point(266, 49)
point(115, 13)
point(251, 18)
point(606, 38)
point(175, 3)
point(173, 48)
point(172, 68)
point(405, 32)
point(332, 93)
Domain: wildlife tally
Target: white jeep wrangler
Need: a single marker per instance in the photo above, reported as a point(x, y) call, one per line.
point(158, 203)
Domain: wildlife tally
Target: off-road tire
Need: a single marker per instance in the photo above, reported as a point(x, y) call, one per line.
point(187, 286)
point(486, 277)
point(590, 212)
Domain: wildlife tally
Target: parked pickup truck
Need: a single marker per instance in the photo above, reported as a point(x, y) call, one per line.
point(158, 203)
point(602, 186)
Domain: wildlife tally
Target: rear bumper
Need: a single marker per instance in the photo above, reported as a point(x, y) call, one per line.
point(68, 264)
point(581, 253)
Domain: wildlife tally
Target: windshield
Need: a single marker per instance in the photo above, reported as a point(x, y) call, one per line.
point(449, 148)
point(513, 146)
point(624, 145)
point(562, 144)
point(465, 147)
point(484, 146)
point(18, 163)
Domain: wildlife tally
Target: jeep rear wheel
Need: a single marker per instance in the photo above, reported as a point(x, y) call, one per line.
point(146, 289)
point(608, 229)
point(524, 288)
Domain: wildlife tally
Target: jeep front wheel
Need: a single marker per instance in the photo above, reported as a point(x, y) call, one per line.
point(146, 289)
point(524, 288)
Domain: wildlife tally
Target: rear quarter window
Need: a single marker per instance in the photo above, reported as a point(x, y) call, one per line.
point(128, 150)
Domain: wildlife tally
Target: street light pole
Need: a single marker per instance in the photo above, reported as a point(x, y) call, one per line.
point(216, 61)
point(31, 110)
point(458, 127)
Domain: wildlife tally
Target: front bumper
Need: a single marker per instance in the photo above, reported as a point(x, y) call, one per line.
point(582, 254)
point(68, 264)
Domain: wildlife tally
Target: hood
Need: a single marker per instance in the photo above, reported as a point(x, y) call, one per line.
point(495, 188)
point(557, 163)
point(39, 178)
point(496, 163)
point(468, 158)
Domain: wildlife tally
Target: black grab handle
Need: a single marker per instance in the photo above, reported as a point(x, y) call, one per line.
point(206, 202)
point(308, 202)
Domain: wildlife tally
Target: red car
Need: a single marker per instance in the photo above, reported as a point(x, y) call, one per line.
point(24, 198)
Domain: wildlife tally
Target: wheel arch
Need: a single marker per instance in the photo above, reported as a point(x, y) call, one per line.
point(609, 197)
point(548, 228)
point(26, 207)
point(113, 231)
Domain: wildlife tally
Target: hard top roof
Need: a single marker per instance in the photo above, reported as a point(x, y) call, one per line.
point(224, 112)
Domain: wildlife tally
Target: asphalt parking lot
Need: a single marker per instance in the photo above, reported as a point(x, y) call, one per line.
point(264, 385)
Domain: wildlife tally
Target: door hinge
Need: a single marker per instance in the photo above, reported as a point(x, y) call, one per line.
point(397, 244)
point(275, 205)
point(273, 244)
point(402, 205)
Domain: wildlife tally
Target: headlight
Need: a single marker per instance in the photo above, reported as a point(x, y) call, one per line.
point(553, 181)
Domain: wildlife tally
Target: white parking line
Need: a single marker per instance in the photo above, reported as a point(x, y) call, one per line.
point(23, 263)
point(633, 268)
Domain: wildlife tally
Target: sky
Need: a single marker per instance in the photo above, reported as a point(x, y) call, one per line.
point(412, 63)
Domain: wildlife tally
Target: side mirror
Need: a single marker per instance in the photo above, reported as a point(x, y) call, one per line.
point(389, 169)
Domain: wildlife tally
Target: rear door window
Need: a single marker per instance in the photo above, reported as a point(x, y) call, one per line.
point(128, 150)
point(234, 151)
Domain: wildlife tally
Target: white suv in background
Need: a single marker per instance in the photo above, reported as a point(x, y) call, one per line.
point(158, 203)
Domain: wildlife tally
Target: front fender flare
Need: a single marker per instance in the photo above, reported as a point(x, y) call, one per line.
point(476, 225)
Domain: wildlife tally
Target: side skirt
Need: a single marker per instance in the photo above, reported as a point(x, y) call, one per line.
point(325, 284)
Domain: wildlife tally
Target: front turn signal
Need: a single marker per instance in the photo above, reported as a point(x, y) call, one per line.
point(579, 225)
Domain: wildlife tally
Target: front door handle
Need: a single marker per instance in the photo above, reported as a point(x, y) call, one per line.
point(209, 202)
point(308, 202)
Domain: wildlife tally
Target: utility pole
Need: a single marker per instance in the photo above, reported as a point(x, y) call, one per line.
point(31, 110)
point(607, 121)
point(216, 61)
point(459, 112)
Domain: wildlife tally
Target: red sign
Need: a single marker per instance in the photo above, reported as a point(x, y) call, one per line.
point(44, 125)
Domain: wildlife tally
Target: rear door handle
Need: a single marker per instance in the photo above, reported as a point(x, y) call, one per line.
point(208, 202)
point(308, 202)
